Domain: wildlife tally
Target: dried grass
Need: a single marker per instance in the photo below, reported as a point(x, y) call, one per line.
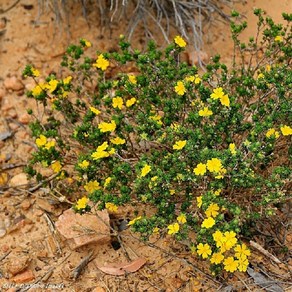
point(187, 16)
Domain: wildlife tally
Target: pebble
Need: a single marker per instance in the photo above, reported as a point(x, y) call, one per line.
point(25, 205)
point(24, 277)
point(17, 264)
point(24, 119)
point(13, 83)
point(19, 180)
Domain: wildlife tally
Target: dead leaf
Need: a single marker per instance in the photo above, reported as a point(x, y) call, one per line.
point(123, 268)
point(264, 282)
point(84, 229)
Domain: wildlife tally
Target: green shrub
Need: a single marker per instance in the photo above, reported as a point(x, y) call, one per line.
point(202, 152)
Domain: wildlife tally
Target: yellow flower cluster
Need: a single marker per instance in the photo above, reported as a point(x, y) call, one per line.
point(42, 141)
point(111, 207)
point(218, 93)
point(101, 151)
point(174, 228)
point(225, 242)
point(145, 170)
point(214, 165)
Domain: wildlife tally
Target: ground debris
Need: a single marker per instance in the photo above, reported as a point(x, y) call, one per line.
point(264, 282)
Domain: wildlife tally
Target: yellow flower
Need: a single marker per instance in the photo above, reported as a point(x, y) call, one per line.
point(204, 250)
point(118, 141)
point(200, 169)
point(107, 127)
point(84, 164)
point(131, 101)
point(221, 173)
point(145, 170)
point(217, 93)
point(199, 201)
point(56, 166)
point(99, 154)
point(217, 192)
point(242, 264)
point(230, 265)
point(180, 41)
point(107, 181)
point(134, 220)
point(118, 102)
point(190, 78)
point(95, 110)
point(179, 145)
point(157, 119)
point(52, 85)
point(35, 72)
point(173, 228)
point(92, 186)
point(217, 258)
point(102, 147)
point(180, 88)
point(212, 210)
point(286, 130)
point(229, 239)
point(208, 223)
point(111, 207)
point(50, 144)
point(82, 203)
point(232, 148)
point(268, 67)
point(241, 251)
point(272, 132)
point(278, 38)
point(67, 80)
point(197, 79)
point(112, 151)
point(261, 76)
point(37, 90)
point(172, 192)
point(155, 230)
point(205, 112)
point(87, 43)
point(132, 78)
point(225, 100)
point(41, 141)
point(214, 165)
point(218, 237)
point(101, 62)
point(181, 219)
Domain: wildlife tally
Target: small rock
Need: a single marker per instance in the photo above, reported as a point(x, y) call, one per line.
point(38, 213)
point(24, 277)
point(13, 83)
point(25, 204)
point(19, 180)
point(17, 264)
point(44, 205)
point(24, 119)
point(73, 227)
point(5, 248)
point(2, 232)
